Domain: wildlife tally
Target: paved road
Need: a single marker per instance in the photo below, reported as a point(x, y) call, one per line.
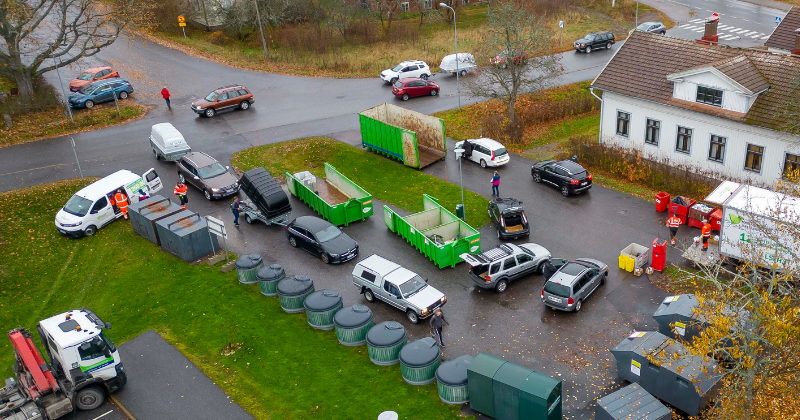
point(107, 411)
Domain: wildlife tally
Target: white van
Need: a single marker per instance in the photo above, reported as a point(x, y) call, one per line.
point(463, 62)
point(167, 142)
point(90, 208)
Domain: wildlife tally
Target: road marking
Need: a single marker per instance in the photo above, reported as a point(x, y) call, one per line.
point(103, 415)
point(36, 169)
point(722, 27)
point(745, 20)
point(684, 25)
point(692, 27)
point(739, 31)
point(699, 30)
point(765, 38)
point(697, 20)
point(751, 33)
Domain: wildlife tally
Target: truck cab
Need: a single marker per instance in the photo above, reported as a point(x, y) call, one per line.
point(381, 279)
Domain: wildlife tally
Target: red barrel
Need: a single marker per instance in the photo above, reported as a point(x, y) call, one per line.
point(662, 201)
point(659, 261)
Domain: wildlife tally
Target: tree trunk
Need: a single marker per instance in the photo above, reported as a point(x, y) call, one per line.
point(25, 84)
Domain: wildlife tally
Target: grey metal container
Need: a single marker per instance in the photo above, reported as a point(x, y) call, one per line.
point(321, 306)
point(451, 380)
point(352, 324)
point(247, 267)
point(268, 278)
point(384, 342)
point(419, 361)
point(631, 403)
point(685, 381)
point(292, 292)
point(144, 215)
point(678, 310)
point(185, 235)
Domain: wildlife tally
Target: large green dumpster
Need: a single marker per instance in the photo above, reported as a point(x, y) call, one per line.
point(415, 139)
point(480, 378)
point(336, 198)
point(435, 232)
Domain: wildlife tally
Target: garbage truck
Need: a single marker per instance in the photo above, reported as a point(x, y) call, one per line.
point(81, 368)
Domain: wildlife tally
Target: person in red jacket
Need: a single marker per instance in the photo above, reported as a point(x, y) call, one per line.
point(165, 94)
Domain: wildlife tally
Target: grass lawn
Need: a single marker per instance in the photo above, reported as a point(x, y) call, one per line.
point(366, 169)
point(282, 369)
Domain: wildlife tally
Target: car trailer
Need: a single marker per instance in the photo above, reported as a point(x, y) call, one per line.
point(253, 214)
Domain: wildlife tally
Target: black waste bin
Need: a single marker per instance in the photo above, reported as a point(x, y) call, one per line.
point(631, 403)
point(292, 292)
point(321, 306)
point(247, 267)
point(419, 361)
point(352, 324)
point(268, 279)
point(451, 380)
point(384, 342)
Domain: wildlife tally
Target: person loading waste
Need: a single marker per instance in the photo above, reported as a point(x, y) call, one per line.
point(180, 191)
point(122, 203)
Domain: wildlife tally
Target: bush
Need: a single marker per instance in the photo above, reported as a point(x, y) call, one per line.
point(44, 98)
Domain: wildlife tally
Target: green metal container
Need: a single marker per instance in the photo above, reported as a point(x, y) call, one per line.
point(305, 186)
point(292, 292)
point(435, 232)
point(247, 266)
point(268, 279)
point(419, 361)
point(413, 138)
point(451, 380)
point(352, 324)
point(384, 342)
point(321, 306)
point(480, 378)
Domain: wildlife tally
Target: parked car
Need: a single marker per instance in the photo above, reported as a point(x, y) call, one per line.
point(485, 151)
point(461, 64)
point(321, 238)
point(412, 68)
point(225, 98)
point(501, 60)
point(207, 175)
point(509, 218)
point(565, 175)
point(381, 279)
point(654, 27)
point(92, 75)
point(575, 281)
point(594, 41)
point(552, 266)
point(99, 92)
point(412, 86)
point(495, 268)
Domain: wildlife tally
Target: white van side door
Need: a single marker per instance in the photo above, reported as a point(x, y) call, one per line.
point(101, 213)
point(152, 180)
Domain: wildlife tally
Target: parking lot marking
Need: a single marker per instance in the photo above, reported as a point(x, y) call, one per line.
point(103, 415)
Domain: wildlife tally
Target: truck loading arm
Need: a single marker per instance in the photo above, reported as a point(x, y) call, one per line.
point(41, 380)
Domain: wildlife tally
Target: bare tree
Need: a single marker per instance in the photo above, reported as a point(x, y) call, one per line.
point(514, 57)
point(388, 9)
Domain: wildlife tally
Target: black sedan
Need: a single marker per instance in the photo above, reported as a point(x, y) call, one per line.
point(565, 175)
point(321, 238)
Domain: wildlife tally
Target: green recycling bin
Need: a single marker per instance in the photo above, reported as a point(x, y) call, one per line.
point(268, 279)
point(460, 211)
point(292, 292)
point(321, 307)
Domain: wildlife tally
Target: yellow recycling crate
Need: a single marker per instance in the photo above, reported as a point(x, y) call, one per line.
point(626, 263)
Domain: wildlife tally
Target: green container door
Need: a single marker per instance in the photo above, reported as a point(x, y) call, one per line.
point(481, 382)
point(357, 208)
point(540, 397)
point(507, 381)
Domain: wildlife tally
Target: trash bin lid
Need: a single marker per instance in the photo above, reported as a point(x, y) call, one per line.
point(386, 334)
point(248, 261)
point(270, 272)
point(352, 316)
point(454, 372)
point(295, 286)
point(420, 353)
point(322, 300)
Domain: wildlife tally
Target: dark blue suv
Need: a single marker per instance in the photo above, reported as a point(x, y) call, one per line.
point(99, 92)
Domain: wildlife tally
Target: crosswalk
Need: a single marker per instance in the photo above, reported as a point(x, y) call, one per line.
point(732, 32)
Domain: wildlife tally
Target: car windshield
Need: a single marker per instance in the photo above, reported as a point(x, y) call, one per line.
point(210, 171)
point(212, 96)
point(500, 152)
point(85, 76)
point(398, 67)
point(589, 37)
point(643, 27)
point(328, 233)
point(78, 206)
point(573, 269)
point(398, 84)
point(412, 286)
point(556, 289)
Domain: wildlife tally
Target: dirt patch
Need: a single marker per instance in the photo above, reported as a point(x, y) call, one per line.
point(330, 193)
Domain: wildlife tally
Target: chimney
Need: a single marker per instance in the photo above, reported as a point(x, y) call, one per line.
point(710, 33)
point(796, 50)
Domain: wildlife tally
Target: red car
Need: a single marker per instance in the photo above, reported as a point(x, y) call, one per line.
point(501, 60)
point(414, 86)
point(92, 75)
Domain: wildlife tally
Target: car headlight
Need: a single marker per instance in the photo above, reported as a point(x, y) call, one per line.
point(424, 311)
point(216, 190)
point(71, 224)
point(583, 45)
point(443, 299)
point(335, 255)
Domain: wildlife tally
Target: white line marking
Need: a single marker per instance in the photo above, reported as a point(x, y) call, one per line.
point(722, 27)
point(745, 20)
point(699, 30)
point(739, 31)
point(691, 27)
point(765, 38)
point(103, 415)
point(684, 25)
point(697, 20)
point(751, 33)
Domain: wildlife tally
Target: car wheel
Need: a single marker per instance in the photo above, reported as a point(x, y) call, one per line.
point(578, 305)
point(423, 76)
point(89, 104)
point(91, 230)
point(434, 92)
point(663, 32)
point(181, 178)
point(608, 45)
point(248, 219)
point(501, 286)
point(391, 82)
point(463, 73)
point(565, 191)
point(89, 398)
point(498, 235)
point(412, 316)
point(483, 163)
point(210, 112)
point(156, 153)
point(123, 95)
point(207, 194)
point(540, 268)
point(369, 296)
point(293, 242)
point(588, 49)
point(244, 105)
point(405, 97)
point(603, 279)
point(325, 258)
point(537, 178)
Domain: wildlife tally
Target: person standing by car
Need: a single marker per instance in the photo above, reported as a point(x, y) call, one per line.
point(673, 222)
point(437, 323)
point(496, 184)
point(165, 95)
point(180, 191)
point(236, 206)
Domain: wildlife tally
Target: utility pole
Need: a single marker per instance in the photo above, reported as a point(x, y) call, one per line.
point(63, 92)
point(637, 14)
point(458, 71)
point(261, 29)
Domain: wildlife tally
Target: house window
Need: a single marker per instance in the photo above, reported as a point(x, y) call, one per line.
point(623, 123)
point(404, 6)
point(428, 4)
point(684, 142)
point(791, 167)
point(709, 96)
point(753, 160)
point(716, 151)
point(652, 133)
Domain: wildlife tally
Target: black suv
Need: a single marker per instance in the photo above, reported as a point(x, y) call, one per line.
point(509, 218)
point(594, 41)
point(567, 175)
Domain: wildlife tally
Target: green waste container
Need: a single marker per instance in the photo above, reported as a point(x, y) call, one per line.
point(480, 375)
point(384, 342)
point(268, 279)
point(451, 380)
point(352, 324)
point(460, 211)
point(247, 267)
point(321, 307)
point(292, 292)
point(419, 361)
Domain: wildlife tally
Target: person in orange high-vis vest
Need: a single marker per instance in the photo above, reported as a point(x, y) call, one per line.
point(180, 191)
point(673, 222)
point(122, 203)
point(706, 234)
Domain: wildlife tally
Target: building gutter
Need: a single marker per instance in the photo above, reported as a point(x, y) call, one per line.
point(602, 108)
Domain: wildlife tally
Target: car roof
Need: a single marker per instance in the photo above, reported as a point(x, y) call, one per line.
point(229, 88)
point(103, 186)
point(199, 159)
point(314, 224)
point(96, 69)
point(399, 276)
point(410, 79)
point(489, 143)
point(571, 166)
point(102, 82)
point(408, 62)
point(378, 264)
point(651, 23)
point(56, 326)
point(507, 203)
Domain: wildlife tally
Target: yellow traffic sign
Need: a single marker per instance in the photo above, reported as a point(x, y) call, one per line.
point(182, 24)
point(181, 19)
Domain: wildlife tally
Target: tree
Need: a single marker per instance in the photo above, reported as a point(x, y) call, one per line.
point(514, 57)
point(38, 31)
point(388, 9)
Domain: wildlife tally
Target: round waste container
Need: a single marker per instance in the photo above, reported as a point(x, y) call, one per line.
point(384, 342)
point(352, 324)
point(451, 380)
point(268, 278)
point(321, 306)
point(419, 360)
point(292, 292)
point(247, 266)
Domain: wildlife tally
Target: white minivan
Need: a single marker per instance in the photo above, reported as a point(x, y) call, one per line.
point(90, 208)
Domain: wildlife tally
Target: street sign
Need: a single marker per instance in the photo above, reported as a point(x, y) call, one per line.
point(181, 21)
point(560, 23)
point(216, 226)
point(778, 20)
point(182, 24)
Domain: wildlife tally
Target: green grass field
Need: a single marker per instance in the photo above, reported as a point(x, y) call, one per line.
point(282, 369)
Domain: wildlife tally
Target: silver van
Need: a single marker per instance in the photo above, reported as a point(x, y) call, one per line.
point(495, 268)
point(573, 283)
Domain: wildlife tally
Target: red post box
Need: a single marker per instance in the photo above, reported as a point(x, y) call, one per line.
point(659, 261)
point(662, 201)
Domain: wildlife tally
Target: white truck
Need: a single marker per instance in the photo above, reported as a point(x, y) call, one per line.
point(81, 368)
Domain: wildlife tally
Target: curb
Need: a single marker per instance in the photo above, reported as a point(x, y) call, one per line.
point(121, 407)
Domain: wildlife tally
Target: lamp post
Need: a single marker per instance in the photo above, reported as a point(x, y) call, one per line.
point(261, 29)
point(63, 92)
point(458, 71)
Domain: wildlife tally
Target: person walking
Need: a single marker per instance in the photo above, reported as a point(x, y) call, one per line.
point(496, 184)
point(706, 234)
point(121, 200)
point(236, 206)
point(673, 222)
point(437, 323)
point(165, 95)
point(180, 191)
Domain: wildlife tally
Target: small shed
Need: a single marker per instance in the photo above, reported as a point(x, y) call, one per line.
point(269, 277)
point(292, 292)
point(419, 361)
point(631, 403)
point(451, 380)
point(384, 342)
point(321, 306)
point(247, 267)
point(352, 324)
